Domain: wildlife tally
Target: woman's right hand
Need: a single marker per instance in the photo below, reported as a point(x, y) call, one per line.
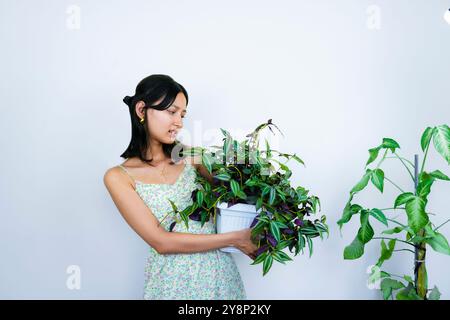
point(245, 243)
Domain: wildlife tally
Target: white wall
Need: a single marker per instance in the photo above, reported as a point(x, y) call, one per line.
point(334, 85)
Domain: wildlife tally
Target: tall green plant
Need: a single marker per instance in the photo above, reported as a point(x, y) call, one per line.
point(419, 232)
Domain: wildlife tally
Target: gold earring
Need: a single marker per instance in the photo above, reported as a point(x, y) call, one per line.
point(142, 120)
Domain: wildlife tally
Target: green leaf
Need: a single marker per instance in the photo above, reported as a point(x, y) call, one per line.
point(235, 188)
point(387, 285)
point(434, 294)
point(223, 176)
point(409, 279)
point(280, 224)
point(362, 183)
point(417, 217)
point(207, 161)
point(426, 138)
point(301, 241)
point(425, 183)
point(241, 194)
point(349, 211)
point(284, 256)
point(403, 198)
point(277, 257)
point(392, 231)
point(439, 243)
point(264, 218)
point(203, 217)
point(173, 205)
point(225, 133)
point(439, 175)
point(346, 215)
point(355, 208)
point(441, 141)
point(282, 165)
point(365, 233)
point(275, 230)
point(373, 154)
point(355, 250)
point(315, 203)
point(272, 195)
point(265, 191)
point(310, 246)
point(269, 154)
point(408, 293)
point(259, 259)
point(389, 143)
point(296, 158)
point(386, 251)
point(207, 187)
point(377, 178)
point(226, 147)
point(379, 215)
point(259, 228)
point(259, 203)
point(283, 244)
point(199, 198)
point(267, 264)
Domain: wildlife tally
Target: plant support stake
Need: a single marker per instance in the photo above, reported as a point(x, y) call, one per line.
point(420, 272)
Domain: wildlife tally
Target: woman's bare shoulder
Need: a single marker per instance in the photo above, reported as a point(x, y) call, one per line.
point(116, 175)
point(113, 174)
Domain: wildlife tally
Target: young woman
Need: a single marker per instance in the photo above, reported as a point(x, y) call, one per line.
point(182, 263)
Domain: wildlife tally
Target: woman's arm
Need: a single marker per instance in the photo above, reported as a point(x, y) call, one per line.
point(146, 225)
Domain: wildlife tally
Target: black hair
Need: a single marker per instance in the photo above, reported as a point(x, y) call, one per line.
point(150, 90)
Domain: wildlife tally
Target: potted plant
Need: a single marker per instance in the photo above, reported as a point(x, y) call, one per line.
point(248, 187)
point(418, 230)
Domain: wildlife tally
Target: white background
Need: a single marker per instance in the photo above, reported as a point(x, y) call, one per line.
point(335, 76)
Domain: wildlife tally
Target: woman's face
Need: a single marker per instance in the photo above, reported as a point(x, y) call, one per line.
point(163, 125)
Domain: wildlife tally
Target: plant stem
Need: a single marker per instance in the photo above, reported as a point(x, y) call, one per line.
point(409, 171)
point(396, 222)
point(442, 224)
point(420, 268)
point(214, 205)
point(408, 161)
point(404, 250)
point(394, 184)
point(425, 157)
point(397, 276)
point(399, 208)
point(384, 238)
point(240, 174)
point(382, 159)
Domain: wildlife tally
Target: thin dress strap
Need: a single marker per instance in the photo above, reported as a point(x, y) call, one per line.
point(128, 173)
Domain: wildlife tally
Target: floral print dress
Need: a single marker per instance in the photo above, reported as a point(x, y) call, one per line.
point(208, 275)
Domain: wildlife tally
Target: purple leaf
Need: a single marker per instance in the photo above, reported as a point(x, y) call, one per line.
point(272, 240)
point(195, 216)
point(255, 221)
point(287, 231)
point(262, 249)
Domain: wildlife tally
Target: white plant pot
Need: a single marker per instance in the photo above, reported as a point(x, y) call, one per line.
point(237, 217)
